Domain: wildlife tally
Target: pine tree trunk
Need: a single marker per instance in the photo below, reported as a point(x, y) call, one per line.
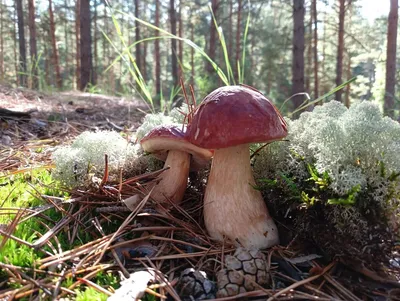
point(238, 33)
point(391, 58)
point(54, 46)
point(340, 50)
point(32, 43)
point(213, 38)
point(315, 16)
point(298, 52)
point(307, 78)
point(348, 75)
point(157, 49)
point(21, 41)
point(192, 53)
point(230, 29)
point(78, 43)
point(180, 34)
point(14, 34)
point(1, 43)
point(174, 61)
point(138, 54)
point(67, 40)
point(86, 45)
point(95, 42)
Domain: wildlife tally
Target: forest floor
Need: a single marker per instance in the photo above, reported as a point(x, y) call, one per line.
point(93, 236)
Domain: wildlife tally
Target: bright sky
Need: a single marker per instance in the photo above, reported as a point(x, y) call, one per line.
point(372, 9)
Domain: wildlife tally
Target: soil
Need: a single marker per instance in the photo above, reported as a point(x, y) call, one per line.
point(56, 118)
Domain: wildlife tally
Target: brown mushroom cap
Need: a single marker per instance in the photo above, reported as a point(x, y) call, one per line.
point(234, 115)
point(164, 138)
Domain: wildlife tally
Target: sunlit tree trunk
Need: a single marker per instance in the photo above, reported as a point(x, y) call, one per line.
point(32, 42)
point(238, 34)
point(157, 50)
point(85, 45)
point(213, 38)
point(192, 53)
point(56, 62)
point(21, 41)
point(174, 52)
point(308, 65)
point(78, 43)
point(315, 16)
point(137, 37)
point(340, 49)
point(180, 34)
point(1, 43)
point(95, 51)
point(298, 52)
point(391, 58)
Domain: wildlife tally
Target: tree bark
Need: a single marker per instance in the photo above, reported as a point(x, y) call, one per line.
point(192, 53)
point(86, 71)
point(54, 46)
point(174, 61)
point(157, 49)
point(138, 54)
point(95, 61)
point(298, 52)
point(32, 43)
point(14, 34)
point(213, 38)
point(391, 58)
point(230, 29)
point(78, 43)
point(180, 34)
point(315, 16)
point(21, 41)
point(340, 50)
point(1, 43)
point(238, 34)
point(308, 64)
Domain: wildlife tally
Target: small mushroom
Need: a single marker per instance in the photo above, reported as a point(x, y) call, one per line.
point(168, 144)
point(228, 120)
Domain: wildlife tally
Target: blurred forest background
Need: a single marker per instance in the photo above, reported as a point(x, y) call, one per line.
point(281, 47)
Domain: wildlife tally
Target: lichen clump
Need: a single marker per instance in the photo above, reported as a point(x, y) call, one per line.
point(340, 165)
point(85, 158)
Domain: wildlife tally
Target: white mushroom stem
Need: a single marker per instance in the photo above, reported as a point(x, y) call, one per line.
point(233, 208)
point(172, 182)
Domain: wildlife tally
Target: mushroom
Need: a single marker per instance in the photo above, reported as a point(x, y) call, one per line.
point(168, 144)
point(228, 120)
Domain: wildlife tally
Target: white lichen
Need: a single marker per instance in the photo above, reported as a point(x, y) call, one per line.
point(86, 157)
point(354, 146)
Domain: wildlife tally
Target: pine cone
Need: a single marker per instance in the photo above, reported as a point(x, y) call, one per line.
point(194, 285)
point(243, 269)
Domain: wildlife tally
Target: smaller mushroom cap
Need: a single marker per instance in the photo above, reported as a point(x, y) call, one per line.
point(233, 115)
point(164, 138)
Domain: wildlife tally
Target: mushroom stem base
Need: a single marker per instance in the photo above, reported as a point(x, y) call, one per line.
point(233, 208)
point(172, 182)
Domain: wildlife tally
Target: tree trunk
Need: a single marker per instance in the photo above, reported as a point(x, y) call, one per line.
point(180, 34)
point(348, 75)
point(1, 43)
point(32, 43)
point(298, 52)
point(14, 34)
point(230, 29)
point(157, 50)
point(307, 77)
point(174, 61)
point(95, 42)
point(340, 50)
point(86, 46)
point(54, 46)
point(78, 43)
point(238, 33)
point(192, 53)
point(138, 54)
point(391, 58)
point(316, 84)
point(21, 40)
point(213, 38)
